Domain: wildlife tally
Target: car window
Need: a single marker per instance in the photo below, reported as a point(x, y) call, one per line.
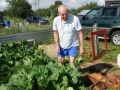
point(40, 18)
point(30, 17)
point(35, 18)
point(93, 14)
point(108, 13)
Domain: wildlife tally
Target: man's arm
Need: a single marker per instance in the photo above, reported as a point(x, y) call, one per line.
point(56, 39)
point(81, 38)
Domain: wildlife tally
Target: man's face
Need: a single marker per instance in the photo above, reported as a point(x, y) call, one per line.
point(64, 14)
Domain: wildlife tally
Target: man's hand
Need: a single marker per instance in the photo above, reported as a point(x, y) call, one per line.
point(82, 50)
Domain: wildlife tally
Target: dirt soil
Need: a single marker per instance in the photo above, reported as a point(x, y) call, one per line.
point(100, 66)
point(101, 75)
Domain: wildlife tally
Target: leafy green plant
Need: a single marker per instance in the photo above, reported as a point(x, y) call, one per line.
point(27, 68)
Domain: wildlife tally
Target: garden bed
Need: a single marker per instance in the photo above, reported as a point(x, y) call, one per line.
point(25, 67)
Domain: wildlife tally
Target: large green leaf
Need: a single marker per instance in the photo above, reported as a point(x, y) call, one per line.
point(3, 87)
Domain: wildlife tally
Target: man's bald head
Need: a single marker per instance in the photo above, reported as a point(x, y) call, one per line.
point(62, 8)
point(63, 12)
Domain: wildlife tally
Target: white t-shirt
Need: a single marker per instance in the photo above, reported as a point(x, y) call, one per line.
point(68, 31)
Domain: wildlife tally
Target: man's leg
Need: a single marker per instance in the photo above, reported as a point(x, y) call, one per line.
point(63, 52)
point(60, 60)
point(72, 59)
point(73, 52)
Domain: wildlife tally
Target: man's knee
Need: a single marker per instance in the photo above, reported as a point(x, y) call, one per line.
point(60, 59)
point(72, 60)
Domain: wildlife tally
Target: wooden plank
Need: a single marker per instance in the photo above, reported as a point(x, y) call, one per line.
point(93, 46)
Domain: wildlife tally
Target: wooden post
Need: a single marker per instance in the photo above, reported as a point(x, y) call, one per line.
point(12, 22)
point(27, 23)
point(23, 27)
point(96, 40)
point(39, 23)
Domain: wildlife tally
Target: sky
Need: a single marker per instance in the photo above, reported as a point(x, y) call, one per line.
point(46, 3)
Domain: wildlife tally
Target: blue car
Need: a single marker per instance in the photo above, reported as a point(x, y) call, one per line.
point(36, 20)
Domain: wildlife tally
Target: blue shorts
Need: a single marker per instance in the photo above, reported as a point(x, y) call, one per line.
point(73, 51)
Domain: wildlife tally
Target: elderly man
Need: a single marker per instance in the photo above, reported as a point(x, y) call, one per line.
point(67, 35)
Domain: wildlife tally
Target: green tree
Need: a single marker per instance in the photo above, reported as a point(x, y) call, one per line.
point(54, 8)
point(45, 12)
point(88, 6)
point(18, 8)
point(49, 12)
point(73, 11)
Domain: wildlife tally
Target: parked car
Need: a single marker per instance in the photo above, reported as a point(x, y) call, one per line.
point(107, 18)
point(37, 19)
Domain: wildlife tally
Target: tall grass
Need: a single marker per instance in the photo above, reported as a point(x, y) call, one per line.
point(20, 26)
point(14, 29)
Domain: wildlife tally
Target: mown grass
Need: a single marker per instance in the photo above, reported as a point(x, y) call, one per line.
point(112, 53)
point(110, 56)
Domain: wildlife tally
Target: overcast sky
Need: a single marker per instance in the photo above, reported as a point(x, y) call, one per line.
point(46, 3)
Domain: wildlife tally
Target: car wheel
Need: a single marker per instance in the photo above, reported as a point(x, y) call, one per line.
point(47, 23)
point(115, 38)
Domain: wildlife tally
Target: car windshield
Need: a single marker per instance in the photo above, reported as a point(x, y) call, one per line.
point(40, 18)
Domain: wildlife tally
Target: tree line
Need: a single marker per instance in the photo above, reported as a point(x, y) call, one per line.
point(22, 8)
